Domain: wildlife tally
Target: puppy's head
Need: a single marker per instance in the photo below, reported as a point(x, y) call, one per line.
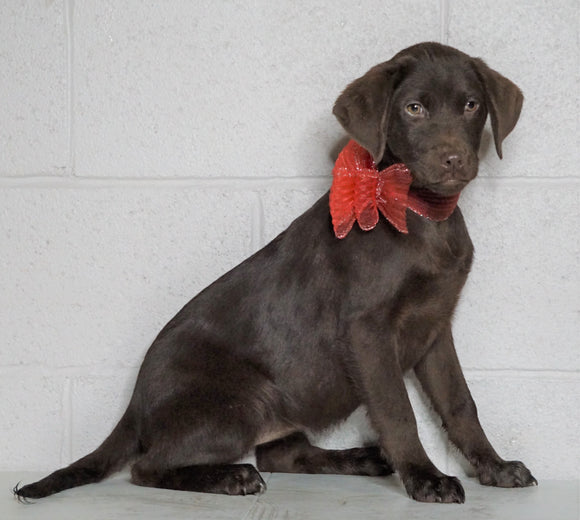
point(427, 107)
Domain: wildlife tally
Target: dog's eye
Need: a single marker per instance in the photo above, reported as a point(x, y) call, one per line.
point(415, 109)
point(471, 106)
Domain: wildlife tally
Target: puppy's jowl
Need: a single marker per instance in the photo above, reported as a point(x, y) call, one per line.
point(357, 291)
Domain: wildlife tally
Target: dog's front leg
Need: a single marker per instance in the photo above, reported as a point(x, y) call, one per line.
point(442, 379)
point(380, 380)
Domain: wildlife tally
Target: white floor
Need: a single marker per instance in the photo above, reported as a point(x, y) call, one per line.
point(292, 497)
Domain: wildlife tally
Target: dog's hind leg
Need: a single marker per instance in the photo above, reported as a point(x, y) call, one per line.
point(295, 454)
point(192, 440)
point(228, 479)
point(195, 452)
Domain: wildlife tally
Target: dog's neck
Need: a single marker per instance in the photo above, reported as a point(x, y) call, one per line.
point(389, 158)
point(360, 191)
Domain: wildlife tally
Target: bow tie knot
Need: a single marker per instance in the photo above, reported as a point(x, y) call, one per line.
point(359, 192)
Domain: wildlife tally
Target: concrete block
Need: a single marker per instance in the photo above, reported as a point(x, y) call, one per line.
point(535, 44)
point(92, 275)
point(519, 307)
point(98, 402)
point(227, 89)
point(354, 431)
point(282, 205)
point(32, 418)
point(34, 83)
point(532, 419)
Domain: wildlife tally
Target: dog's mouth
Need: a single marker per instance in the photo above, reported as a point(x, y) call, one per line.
point(428, 177)
point(447, 186)
point(444, 187)
point(441, 179)
point(441, 183)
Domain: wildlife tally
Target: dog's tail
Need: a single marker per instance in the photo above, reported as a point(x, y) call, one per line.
point(111, 456)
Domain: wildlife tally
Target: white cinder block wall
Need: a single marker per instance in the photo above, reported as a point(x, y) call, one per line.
point(147, 147)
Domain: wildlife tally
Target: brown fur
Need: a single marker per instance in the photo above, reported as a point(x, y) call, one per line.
point(310, 327)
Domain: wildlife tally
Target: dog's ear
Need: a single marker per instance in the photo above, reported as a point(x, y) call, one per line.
point(363, 108)
point(503, 99)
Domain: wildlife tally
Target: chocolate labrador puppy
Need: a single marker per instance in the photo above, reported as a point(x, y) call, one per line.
point(311, 326)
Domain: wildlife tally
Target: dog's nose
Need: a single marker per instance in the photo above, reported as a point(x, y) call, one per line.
point(452, 162)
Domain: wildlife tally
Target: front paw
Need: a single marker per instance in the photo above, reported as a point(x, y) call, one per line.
point(507, 474)
point(426, 486)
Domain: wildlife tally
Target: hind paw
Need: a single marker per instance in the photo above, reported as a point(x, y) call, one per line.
point(243, 480)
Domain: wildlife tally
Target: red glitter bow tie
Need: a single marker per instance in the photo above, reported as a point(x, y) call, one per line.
point(359, 191)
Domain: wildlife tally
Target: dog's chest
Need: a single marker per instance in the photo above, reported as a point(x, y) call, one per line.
point(426, 298)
